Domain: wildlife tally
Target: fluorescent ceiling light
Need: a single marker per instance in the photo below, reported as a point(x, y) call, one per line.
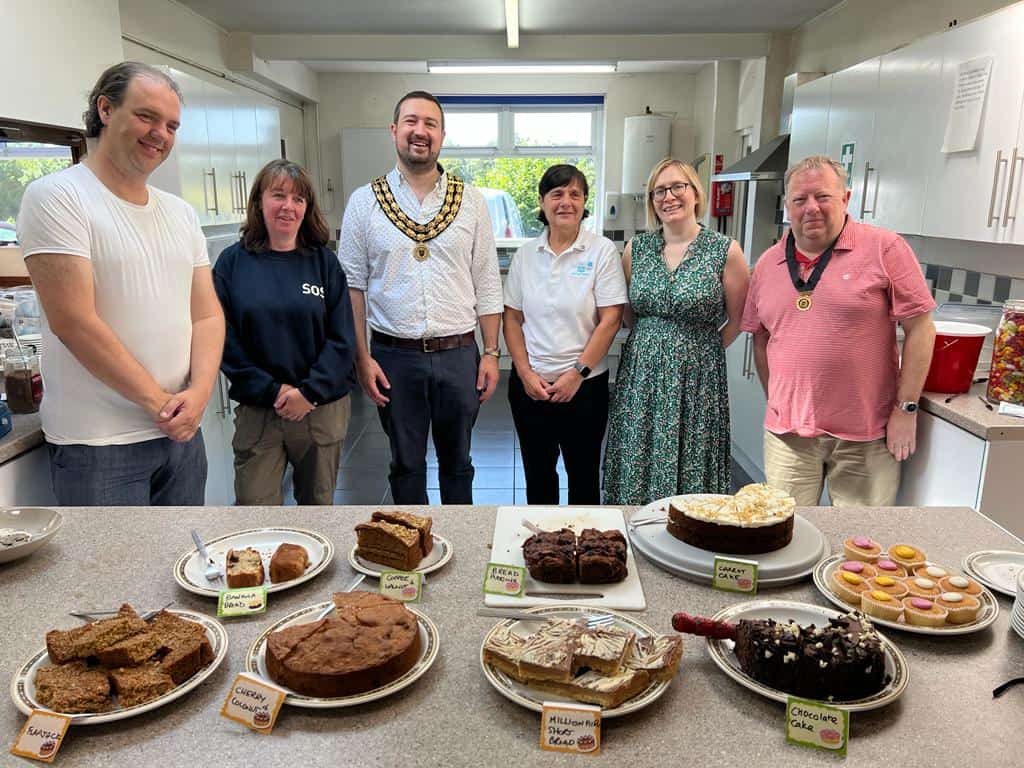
point(512, 22)
point(469, 68)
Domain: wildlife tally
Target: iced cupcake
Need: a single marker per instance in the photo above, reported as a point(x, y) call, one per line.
point(906, 555)
point(963, 609)
point(889, 568)
point(862, 548)
point(892, 587)
point(933, 572)
point(918, 586)
point(881, 605)
point(922, 612)
point(848, 586)
point(862, 569)
point(960, 583)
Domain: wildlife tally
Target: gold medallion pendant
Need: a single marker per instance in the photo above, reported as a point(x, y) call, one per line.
point(803, 302)
point(420, 252)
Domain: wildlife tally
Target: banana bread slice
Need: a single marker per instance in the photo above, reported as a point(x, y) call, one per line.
point(73, 688)
point(244, 568)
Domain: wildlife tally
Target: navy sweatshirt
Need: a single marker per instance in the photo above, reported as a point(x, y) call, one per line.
point(289, 321)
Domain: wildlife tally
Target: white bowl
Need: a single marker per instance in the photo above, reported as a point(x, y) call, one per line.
point(39, 523)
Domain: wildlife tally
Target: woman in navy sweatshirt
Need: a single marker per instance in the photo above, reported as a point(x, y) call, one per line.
point(290, 342)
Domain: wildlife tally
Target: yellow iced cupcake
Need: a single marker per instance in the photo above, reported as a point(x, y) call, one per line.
point(906, 555)
point(881, 605)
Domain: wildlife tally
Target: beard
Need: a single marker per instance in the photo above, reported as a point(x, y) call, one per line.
point(416, 162)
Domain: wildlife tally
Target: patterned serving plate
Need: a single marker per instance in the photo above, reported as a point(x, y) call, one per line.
point(440, 554)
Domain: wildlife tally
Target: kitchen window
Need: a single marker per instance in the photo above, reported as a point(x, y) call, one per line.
point(503, 145)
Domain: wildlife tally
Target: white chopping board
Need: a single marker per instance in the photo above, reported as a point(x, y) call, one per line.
point(507, 548)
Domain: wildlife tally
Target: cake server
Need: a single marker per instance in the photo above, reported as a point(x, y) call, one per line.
point(91, 615)
point(212, 572)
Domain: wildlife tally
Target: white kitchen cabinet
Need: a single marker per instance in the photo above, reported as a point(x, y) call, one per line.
point(218, 430)
point(851, 125)
point(967, 190)
point(1013, 209)
point(945, 470)
point(746, 407)
point(247, 156)
point(268, 126)
point(809, 131)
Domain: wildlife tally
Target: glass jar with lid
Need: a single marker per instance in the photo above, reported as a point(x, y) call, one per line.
point(1006, 376)
point(22, 381)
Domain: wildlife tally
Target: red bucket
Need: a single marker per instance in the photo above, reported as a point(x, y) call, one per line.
point(957, 346)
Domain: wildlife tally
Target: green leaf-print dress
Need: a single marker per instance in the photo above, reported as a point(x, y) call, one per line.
point(669, 427)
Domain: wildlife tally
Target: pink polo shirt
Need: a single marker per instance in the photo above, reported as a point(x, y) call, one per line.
point(833, 370)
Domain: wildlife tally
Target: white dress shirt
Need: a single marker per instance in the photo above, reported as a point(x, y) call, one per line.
point(559, 295)
point(411, 299)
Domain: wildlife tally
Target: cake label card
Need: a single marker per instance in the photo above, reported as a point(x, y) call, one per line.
point(253, 702)
point(41, 736)
point(570, 728)
point(735, 575)
point(242, 602)
point(813, 724)
point(404, 586)
point(502, 579)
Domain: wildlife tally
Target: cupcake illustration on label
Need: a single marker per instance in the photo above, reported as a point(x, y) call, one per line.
point(261, 719)
point(586, 743)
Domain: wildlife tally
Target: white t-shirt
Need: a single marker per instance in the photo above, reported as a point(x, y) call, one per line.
point(559, 295)
point(143, 257)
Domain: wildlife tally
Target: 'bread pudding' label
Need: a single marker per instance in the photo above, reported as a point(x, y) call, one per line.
point(734, 575)
point(813, 724)
point(501, 579)
point(404, 586)
point(253, 702)
point(41, 736)
point(570, 728)
point(242, 602)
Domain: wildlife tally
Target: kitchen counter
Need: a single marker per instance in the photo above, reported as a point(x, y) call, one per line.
point(25, 435)
point(967, 412)
point(452, 716)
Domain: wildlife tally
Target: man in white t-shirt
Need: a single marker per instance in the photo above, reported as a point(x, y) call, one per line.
point(132, 327)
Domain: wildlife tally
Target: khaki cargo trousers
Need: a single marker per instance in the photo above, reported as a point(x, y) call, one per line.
point(264, 443)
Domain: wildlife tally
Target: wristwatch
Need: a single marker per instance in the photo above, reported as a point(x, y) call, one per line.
point(582, 369)
point(907, 406)
point(493, 352)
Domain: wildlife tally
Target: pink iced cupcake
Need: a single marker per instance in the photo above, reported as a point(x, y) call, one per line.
point(887, 567)
point(862, 569)
point(862, 548)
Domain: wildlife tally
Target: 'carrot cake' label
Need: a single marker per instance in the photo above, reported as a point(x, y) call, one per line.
point(813, 724)
point(242, 602)
point(253, 702)
point(501, 579)
point(41, 736)
point(570, 728)
point(734, 575)
point(404, 586)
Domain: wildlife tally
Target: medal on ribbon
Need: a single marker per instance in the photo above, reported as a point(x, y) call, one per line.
point(804, 288)
point(421, 234)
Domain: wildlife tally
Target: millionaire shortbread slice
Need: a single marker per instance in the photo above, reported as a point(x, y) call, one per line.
point(502, 650)
point(548, 653)
point(603, 649)
point(608, 691)
point(658, 655)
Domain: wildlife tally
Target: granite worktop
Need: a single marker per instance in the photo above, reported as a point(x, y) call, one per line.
point(968, 412)
point(26, 434)
point(452, 716)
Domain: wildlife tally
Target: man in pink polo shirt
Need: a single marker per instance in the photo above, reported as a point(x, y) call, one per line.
point(823, 306)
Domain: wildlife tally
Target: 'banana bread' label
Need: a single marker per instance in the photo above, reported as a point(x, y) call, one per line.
point(41, 736)
point(242, 602)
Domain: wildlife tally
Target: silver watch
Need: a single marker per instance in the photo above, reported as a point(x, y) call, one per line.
point(907, 406)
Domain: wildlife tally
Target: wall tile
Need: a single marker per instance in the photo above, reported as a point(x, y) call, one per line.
point(958, 280)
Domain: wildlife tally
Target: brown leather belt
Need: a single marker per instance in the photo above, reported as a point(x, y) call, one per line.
point(437, 344)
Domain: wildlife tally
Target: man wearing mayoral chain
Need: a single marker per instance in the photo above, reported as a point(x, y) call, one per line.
point(422, 268)
point(823, 306)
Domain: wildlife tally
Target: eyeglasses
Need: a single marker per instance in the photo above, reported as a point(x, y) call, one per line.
point(677, 189)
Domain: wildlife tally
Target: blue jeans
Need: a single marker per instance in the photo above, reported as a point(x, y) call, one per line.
point(159, 473)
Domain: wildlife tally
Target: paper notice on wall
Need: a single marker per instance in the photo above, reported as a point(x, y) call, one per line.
point(968, 100)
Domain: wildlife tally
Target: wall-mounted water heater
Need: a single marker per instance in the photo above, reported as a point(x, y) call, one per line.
point(645, 143)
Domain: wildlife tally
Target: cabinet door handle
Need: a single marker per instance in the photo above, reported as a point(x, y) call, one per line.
point(206, 196)
point(216, 205)
point(864, 192)
point(245, 191)
point(746, 355)
point(874, 200)
point(1012, 168)
point(993, 217)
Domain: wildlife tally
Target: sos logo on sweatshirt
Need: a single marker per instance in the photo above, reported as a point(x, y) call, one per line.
point(314, 290)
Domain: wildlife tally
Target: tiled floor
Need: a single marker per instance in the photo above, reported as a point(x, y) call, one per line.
point(363, 478)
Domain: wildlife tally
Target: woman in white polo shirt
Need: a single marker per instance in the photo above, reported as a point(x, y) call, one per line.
point(564, 298)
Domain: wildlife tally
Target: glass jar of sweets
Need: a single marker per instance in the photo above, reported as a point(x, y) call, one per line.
point(1006, 376)
point(22, 381)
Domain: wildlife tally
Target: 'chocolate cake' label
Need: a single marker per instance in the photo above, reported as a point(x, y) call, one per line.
point(41, 736)
point(242, 602)
point(734, 575)
point(502, 579)
point(813, 724)
point(253, 702)
point(570, 728)
point(404, 586)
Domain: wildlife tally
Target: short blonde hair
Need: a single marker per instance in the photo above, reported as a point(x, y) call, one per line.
point(653, 222)
point(815, 163)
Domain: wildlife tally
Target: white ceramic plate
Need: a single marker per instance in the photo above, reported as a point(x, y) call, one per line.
point(439, 556)
point(39, 524)
point(988, 612)
point(803, 613)
point(255, 661)
point(23, 690)
point(525, 696)
point(188, 570)
point(996, 568)
point(783, 566)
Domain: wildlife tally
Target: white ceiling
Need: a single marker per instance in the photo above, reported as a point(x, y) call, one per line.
point(428, 17)
point(420, 67)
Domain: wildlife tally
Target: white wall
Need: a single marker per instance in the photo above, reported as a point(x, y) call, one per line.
point(704, 111)
point(750, 99)
point(51, 54)
point(358, 100)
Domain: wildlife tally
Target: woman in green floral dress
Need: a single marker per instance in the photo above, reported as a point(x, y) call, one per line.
point(669, 427)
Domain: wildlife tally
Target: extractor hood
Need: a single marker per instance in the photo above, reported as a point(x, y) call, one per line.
point(767, 163)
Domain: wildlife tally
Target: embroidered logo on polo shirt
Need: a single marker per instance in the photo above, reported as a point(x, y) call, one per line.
point(583, 269)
